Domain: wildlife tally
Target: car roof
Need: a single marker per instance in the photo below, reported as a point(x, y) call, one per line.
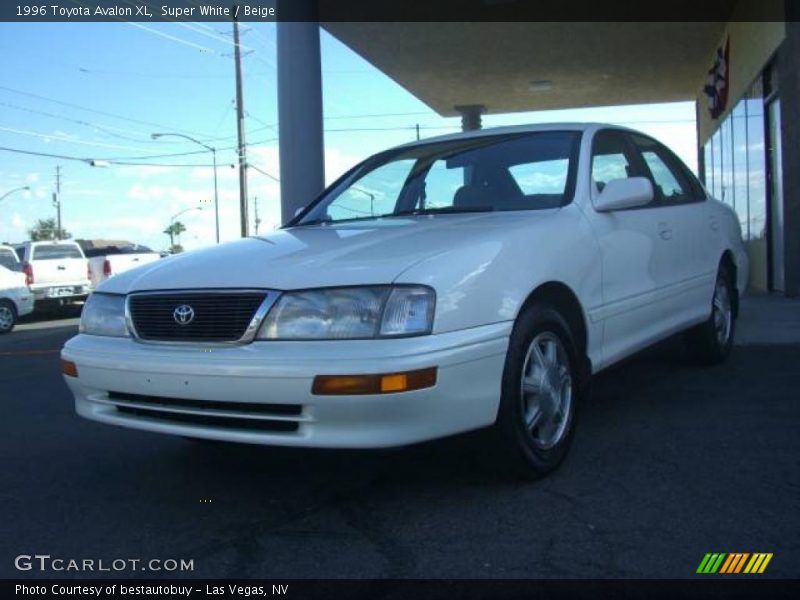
point(511, 129)
point(30, 243)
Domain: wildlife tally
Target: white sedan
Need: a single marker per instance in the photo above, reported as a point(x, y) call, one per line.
point(463, 282)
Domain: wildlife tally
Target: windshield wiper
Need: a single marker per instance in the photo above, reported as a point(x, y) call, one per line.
point(441, 209)
point(321, 221)
point(403, 213)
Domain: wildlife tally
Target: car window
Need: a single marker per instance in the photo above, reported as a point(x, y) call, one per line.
point(521, 171)
point(8, 259)
point(612, 158)
point(56, 251)
point(671, 183)
point(541, 177)
point(441, 184)
point(375, 194)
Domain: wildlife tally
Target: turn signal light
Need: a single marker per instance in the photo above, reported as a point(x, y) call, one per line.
point(390, 383)
point(69, 368)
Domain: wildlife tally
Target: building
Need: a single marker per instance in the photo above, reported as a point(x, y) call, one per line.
point(740, 64)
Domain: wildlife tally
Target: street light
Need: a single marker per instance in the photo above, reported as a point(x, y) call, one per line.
point(213, 151)
point(19, 189)
point(185, 210)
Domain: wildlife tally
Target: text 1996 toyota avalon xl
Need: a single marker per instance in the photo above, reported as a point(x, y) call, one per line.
point(466, 281)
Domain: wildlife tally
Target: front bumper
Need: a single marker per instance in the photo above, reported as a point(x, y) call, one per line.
point(61, 292)
point(261, 392)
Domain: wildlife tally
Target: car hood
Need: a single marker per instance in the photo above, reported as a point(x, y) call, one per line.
point(355, 253)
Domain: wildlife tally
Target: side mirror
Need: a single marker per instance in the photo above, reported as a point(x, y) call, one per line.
point(619, 194)
point(299, 210)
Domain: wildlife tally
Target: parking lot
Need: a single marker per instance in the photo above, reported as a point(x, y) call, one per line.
point(669, 462)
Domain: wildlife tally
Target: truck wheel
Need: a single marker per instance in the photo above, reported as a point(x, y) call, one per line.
point(540, 391)
point(710, 342)
point(8, 316)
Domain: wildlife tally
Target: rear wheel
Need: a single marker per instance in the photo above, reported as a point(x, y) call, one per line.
point(711, 341)
point(540, 391)
point(8, 316)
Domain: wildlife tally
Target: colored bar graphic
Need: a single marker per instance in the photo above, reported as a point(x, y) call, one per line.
point(731, 563)
point(758, 563)
point(711, 562)
point(734, 562)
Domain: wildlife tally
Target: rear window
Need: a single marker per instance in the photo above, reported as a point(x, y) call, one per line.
point(55, 251)
point(111, 250)
point(8, 259)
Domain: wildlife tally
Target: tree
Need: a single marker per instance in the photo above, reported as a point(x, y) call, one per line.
point(46, 229)
point(174, 232)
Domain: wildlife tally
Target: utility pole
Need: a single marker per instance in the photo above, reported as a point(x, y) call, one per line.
point(417, 131)
point(57, 202)
point(240, 129)
point(255, 206)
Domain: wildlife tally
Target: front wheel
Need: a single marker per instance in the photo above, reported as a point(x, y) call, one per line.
point(8, 316)
point(711, 342)
point(540, 390)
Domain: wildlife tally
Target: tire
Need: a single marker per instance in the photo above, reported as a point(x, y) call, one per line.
point(710, 343)
point(8, 316)
point(536, 419)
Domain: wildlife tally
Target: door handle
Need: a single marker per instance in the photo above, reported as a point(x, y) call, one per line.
point(712, 223)
point(61, 267)
point(664, 231)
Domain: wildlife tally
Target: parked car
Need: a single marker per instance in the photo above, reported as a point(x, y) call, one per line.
point(9, 259)
point(16, 299)
point(113, 260)
point(57, 271)
point(480, 281)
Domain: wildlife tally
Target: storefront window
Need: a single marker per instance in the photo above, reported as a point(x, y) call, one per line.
point(756, 161)
point(736, 167)
point(740, 167)
point(727, 163)
point(717, 164)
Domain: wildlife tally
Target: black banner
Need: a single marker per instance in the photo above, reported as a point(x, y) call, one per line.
point(33, 11)
point(388, 589)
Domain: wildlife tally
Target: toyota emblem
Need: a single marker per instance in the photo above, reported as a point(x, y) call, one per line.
point(183, 314)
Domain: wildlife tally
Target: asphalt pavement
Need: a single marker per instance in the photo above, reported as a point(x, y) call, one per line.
point(669, 462)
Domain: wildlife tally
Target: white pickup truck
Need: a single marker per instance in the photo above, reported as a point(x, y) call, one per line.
point(56, 271)
point(113, 260)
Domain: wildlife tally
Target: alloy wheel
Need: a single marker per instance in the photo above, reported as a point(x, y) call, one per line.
point(546, 390)
point(6, 318)
point(723, 315)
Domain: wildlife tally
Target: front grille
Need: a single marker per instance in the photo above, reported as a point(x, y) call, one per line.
point(219, 405)
point(217, 317)
point(215, 422)
point(250, 416)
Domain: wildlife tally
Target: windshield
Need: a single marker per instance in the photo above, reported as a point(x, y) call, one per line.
point(8, 259)
point(56, 251)
point(528, 171)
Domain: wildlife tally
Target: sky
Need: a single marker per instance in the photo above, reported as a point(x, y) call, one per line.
point(99, 90)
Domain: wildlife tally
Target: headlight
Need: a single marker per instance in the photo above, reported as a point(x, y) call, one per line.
point(104, 314)
point(350, 313)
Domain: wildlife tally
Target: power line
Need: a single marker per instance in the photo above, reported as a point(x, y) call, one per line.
point(99, 112)
point(67, 140)
point(102, 128)
point(263, 172)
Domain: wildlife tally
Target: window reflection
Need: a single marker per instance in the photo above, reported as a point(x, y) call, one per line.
point(736, 173)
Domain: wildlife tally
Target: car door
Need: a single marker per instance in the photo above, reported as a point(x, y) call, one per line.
point(682, 206)
point(637, 254)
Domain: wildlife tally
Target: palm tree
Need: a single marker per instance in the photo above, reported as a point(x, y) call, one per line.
point(174, 231)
